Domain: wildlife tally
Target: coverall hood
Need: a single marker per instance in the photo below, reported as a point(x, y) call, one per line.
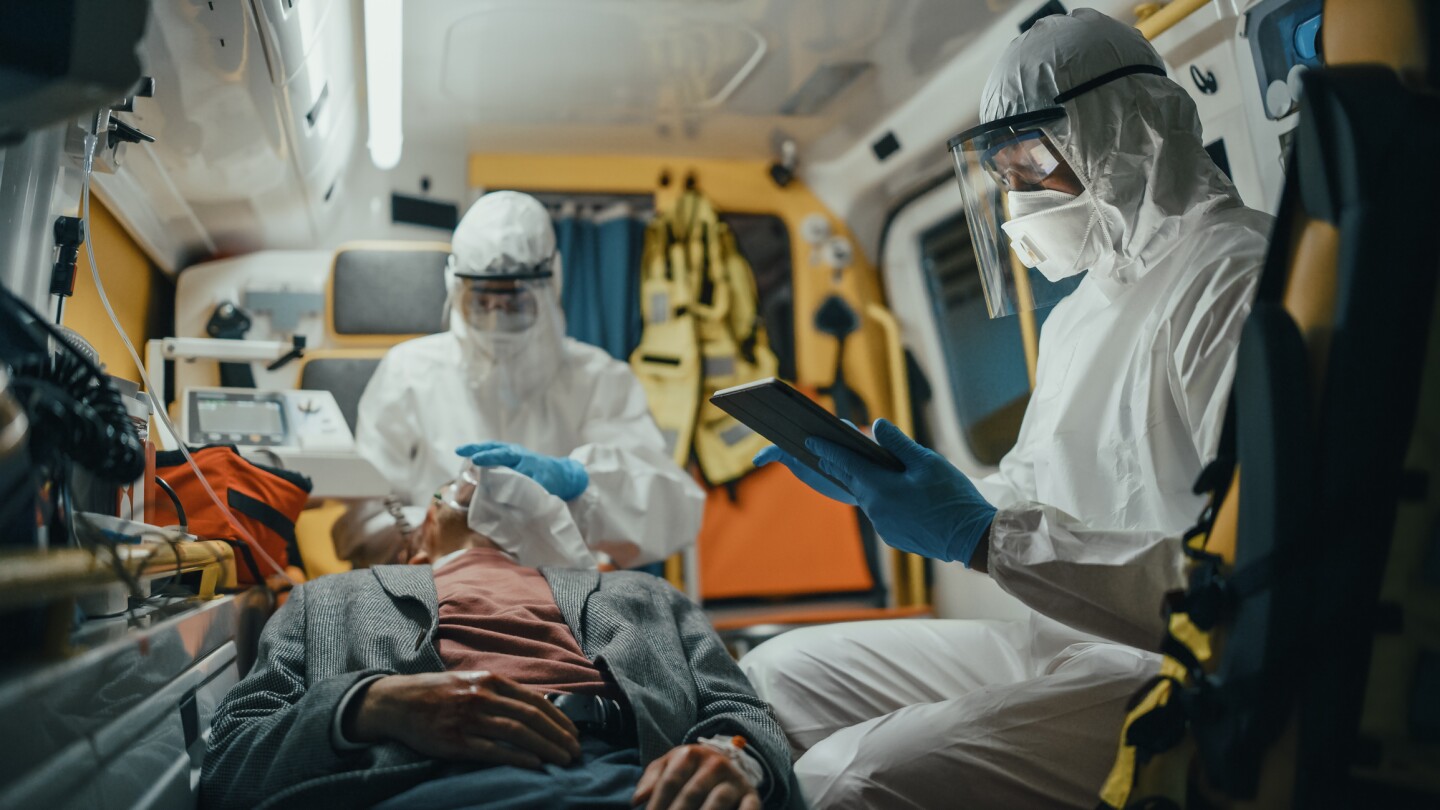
point(1134, 141)
point(509, 236)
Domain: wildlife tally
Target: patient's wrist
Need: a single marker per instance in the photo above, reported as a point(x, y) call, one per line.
point(364, 719)
point(736, 749)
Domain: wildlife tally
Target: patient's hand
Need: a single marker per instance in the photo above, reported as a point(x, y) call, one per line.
point(692, 776)
point(467, 716)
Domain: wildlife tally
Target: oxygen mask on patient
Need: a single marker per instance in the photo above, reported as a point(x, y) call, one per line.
point(519, 516)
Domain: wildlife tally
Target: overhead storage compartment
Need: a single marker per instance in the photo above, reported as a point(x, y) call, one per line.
point(295, 28)
point(255, 118)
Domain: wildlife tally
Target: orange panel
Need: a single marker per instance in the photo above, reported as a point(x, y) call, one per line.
point(823, 616)
point(778, 537)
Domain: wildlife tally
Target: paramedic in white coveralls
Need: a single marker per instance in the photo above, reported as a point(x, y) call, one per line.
point(1090, 159)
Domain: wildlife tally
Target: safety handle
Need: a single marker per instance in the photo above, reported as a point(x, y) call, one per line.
point(909, 568)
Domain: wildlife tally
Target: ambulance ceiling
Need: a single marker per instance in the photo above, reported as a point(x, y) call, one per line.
point(696, 77)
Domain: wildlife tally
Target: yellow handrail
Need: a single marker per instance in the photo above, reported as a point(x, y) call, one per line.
point(909, 568)
point(1153, 23)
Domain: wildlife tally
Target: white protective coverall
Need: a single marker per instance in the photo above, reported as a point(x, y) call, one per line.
point(549, 393)
point(1133, 378)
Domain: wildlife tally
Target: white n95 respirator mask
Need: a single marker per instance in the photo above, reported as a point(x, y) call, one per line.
point(1056, 233)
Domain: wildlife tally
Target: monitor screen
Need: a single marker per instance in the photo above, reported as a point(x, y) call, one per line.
point(241, 416)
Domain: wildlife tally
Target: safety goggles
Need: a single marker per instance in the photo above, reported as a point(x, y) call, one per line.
point(1021, 163)
point(500, 296)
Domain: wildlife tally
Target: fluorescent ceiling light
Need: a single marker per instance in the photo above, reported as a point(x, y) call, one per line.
point(382, 76)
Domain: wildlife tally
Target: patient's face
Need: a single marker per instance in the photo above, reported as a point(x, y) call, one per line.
point(445, 530)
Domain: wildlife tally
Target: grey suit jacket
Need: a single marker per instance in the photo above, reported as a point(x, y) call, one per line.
point(270, 743)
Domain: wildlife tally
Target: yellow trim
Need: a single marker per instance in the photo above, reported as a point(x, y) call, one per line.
point(895, 360)
point(1029, 327)
point(733, 186)
point(675, 571)
point(129, 282)
point(348, 340)
point(910, 586)
point(39, 577)
point(1163, 20)
point(312, 537)
point(1364, 32)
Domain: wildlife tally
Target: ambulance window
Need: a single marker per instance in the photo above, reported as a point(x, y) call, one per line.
point(985, 357)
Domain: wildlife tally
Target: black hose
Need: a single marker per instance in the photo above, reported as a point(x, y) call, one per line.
point(174, 501)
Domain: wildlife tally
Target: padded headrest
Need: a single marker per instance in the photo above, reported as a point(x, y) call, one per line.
point(388, 288)
point(345, 377)
point(1355, 123)
point(1394, 33)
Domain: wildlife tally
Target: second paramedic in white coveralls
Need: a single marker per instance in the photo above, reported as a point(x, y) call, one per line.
point(560, 432)
point(1090, 158)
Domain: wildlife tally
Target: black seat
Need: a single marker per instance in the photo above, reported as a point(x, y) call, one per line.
point(388, 289)
point(1271, 646)
point(345, 377)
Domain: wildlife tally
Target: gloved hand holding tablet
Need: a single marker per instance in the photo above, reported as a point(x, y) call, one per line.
point(917, 501)
point(788, 418)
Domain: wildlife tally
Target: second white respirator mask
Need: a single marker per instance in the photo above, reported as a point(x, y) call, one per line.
point(1053, 232)
point(529, 524)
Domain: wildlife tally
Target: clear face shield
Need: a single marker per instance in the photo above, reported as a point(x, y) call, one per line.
point(505, 297)
point(1009, 169)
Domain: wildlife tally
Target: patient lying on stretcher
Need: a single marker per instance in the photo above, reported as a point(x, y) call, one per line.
point(426, 685)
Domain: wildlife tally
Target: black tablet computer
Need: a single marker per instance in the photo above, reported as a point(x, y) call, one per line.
point(787, 418)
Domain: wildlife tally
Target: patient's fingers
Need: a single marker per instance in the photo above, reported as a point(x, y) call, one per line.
point(750, 802)
point(724, 797)
point(678, 768)
point(537, 721)
point(706, 779)
point(648, 780)
point(516, 733)
point(514, 690)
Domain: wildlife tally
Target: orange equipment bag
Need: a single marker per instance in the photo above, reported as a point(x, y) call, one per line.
point(265, 502)
point(770, 535)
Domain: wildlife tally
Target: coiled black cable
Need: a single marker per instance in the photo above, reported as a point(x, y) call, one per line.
point(74, 409)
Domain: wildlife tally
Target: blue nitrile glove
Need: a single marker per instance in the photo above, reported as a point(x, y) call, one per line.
point(565, 478)
point(805, 473)
point(930, 509)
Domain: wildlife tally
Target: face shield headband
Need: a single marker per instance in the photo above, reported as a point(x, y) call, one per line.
point(507, 268)
point(1017, 155)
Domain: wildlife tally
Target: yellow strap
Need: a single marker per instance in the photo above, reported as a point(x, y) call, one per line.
point(1121, 782)
point(1185, 632)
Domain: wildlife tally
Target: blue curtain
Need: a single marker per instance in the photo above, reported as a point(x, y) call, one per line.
point(601, 293)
